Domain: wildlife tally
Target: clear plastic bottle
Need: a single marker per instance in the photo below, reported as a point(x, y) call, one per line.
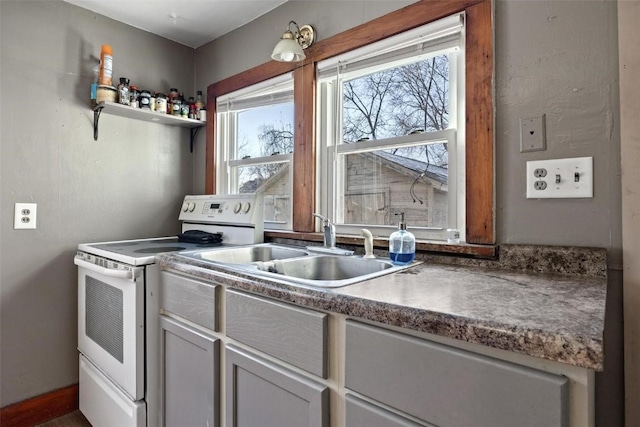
point(402, 244)
point(94, 84)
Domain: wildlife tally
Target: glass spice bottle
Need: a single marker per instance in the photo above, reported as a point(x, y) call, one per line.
point(133, 96)
point(145, 100)
point(161, 103)
point(199, 102)
point(176, 107)
point(193, 112)
point(173, 95)
point(123, 91)
point(184, 106)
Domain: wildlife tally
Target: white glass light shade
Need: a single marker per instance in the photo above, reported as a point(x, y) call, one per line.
point(288, 50)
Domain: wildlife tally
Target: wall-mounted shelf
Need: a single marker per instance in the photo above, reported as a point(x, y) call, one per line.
point(144, 115)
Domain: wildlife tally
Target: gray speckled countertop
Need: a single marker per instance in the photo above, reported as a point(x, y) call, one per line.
point(551, 316)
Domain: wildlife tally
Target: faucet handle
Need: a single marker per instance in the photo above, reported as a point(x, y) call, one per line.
point(368, 243)
point(325, 221)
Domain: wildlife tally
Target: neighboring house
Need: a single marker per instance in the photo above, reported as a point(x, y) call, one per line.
point(276, 195)
point(369, 201)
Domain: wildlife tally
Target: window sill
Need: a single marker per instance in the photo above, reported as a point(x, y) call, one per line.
point(461, 249)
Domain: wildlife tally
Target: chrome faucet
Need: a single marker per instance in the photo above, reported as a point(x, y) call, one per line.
point(328, 231)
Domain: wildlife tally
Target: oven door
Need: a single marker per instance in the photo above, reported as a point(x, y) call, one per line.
point(111, 322)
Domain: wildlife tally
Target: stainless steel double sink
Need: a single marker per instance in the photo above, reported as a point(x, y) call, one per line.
point(296, 265)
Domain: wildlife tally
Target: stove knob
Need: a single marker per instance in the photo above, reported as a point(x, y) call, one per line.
point(185, 207)
point(245, 207)
point(237, 207)
point(191, 207)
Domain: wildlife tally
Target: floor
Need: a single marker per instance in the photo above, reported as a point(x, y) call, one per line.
point(74, 419)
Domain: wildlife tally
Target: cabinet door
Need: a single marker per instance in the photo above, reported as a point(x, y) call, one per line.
point(189, 377)
point(262, 393)
point(359, 413)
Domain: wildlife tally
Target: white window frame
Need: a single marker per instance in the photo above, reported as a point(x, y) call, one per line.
point(270, 92)
point(444, 35)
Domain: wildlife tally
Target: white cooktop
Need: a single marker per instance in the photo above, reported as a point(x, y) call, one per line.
point(239, 218)
point(137, 252)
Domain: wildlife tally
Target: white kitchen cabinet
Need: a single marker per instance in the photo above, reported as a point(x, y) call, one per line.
point(266, 394)
point(260, 392)
point(183, 351)
point(288, 365)
point(449, 387)
point(189, 361)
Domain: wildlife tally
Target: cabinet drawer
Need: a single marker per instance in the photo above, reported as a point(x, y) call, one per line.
point(361, 413)
point(450, 387)
point(190, 299)
point(294, 335)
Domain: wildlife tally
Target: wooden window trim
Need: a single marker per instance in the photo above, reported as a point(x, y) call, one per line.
point(479, 158)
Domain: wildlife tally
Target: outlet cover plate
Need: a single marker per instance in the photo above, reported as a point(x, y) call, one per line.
point(533, 134)
point(564, 179)
point(25, 216)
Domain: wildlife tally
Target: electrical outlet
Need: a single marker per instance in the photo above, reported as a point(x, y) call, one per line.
point(560, 178)
point(540, 172)
point(25, 216)
point(540, 185)
point(532, 134)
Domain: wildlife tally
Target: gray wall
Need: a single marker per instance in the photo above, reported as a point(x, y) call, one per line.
point(629, 34)
point(128, 184)
point(557, 58)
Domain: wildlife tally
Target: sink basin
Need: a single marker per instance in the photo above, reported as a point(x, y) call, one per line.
point(330, 267)
point(246, 254)
point(296, 266)
point(327, 271)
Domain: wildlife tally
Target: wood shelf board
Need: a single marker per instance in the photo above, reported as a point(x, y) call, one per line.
point(120, 110)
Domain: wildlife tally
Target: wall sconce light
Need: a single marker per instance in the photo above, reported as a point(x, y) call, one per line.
point(291, 45)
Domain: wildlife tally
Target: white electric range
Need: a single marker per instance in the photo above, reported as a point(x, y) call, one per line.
point(112, 281)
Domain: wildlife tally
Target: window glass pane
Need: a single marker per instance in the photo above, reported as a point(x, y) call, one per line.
point(397, 101)
point(273, 181)
point(376, 185)
point(263, 131)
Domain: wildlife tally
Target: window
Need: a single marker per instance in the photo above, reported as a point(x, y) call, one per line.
point(255, 130)
point(391, 133)
point(478, 123)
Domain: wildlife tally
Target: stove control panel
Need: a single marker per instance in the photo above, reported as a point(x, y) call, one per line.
point(237, 209)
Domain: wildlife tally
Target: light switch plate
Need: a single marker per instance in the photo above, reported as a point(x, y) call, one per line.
point(25, 216)
point(560, 178)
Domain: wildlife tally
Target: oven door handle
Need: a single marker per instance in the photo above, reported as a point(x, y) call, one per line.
point(110, 272)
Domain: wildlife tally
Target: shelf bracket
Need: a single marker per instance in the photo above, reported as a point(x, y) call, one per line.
point(96, 119)
point(194, 134)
